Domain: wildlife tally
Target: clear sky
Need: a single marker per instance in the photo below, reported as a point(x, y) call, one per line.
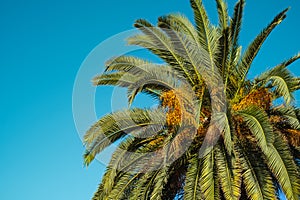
point(42, 46)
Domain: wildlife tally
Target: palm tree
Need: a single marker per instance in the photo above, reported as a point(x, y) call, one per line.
point(203, 91)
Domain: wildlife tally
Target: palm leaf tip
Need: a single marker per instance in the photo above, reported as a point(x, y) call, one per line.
point(88, 157)
point(140, 23)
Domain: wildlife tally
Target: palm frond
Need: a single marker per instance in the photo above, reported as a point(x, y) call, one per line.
point(223, 124)
point(283, 87)
point(297, 112)
point(289, 114)
point(222, 57)
point(283, 167)
point(128, 64)
point(124, 182)
point(142, 189)
point(116, 125)
point(290, 60)
point(121, 79)
point(296, 83)
point(256, 177)
point(259, 125)
point(192, 181)
point(156, 41)
point(254, 47)
point(235, 27)
point(282, 80)
point(277, 69)
point(222, 13)
point(163, 80)
point(181, 42)
point(228, 173)
point(207, 180)
point(124, 79)
point(159, 183)
point(233, 36)
point(179, 23)
point(108, 180)
point(208, 36)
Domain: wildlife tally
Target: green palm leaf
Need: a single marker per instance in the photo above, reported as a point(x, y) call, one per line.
point(283, 87)
point(121, 79)
point(207, 180)
point(116, 125)
point(282, 80)
point(235, 27)
point(259, 125)
point(255, 46)
point(192, 180)
point(256, 177)
point(159, 183)
point(179, 23)
point(124, 182)
point(293, 172)
point(228, 173)
point(208, 36)
point(289, 114)
point(279, 161)
point(222, 13)
point(156, 41)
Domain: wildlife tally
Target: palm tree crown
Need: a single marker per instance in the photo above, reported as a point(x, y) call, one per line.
point(173, 151)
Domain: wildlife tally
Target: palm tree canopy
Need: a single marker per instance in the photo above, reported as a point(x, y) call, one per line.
point(174, 151)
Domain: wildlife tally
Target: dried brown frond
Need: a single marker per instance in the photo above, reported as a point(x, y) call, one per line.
point(275, 119)
point(292, 136)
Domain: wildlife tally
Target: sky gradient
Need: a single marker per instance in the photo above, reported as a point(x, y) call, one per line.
point(42, 46)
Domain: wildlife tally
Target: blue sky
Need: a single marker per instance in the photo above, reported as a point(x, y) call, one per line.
point(42, 46)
